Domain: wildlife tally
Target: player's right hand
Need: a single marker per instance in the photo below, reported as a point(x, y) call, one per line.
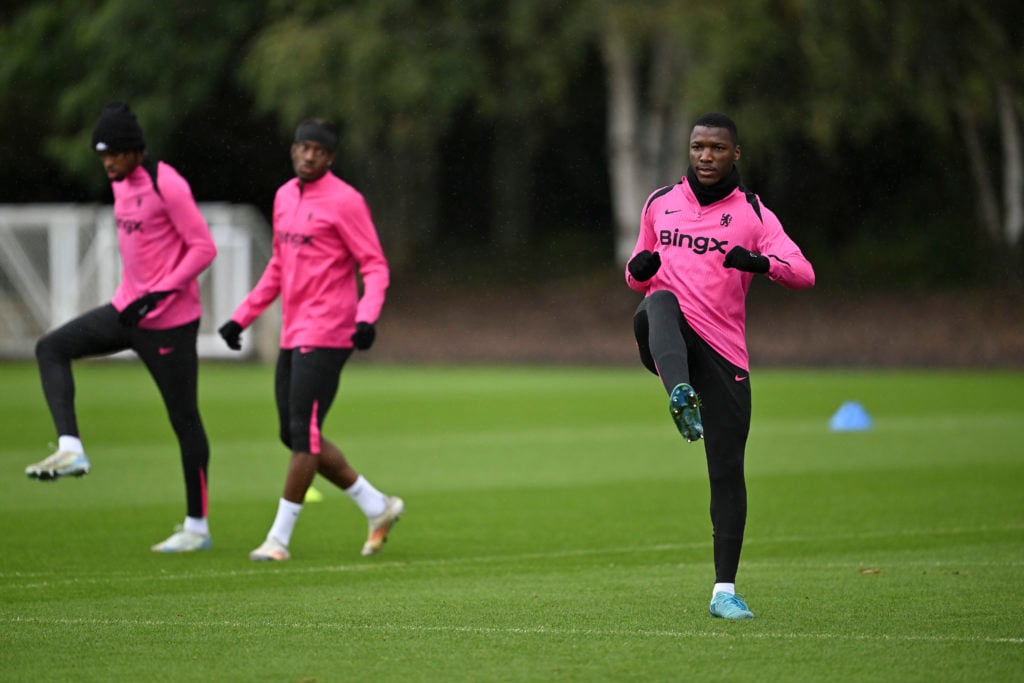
point(231, 332)
point(140, 308)
point(644, 265)
point(364, 336)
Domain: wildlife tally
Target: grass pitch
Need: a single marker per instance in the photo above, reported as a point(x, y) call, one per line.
point(556, 529)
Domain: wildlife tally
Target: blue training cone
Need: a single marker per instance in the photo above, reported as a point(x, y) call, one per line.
point(851, 417)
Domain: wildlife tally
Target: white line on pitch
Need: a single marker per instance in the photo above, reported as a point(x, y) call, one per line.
point(511, 630)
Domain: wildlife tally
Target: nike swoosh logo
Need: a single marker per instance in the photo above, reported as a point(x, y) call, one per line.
point(667, 212)
point(164, 350)
point(306, 349)
point(739, 378)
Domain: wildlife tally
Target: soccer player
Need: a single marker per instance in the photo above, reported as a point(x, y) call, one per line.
point(701, 242)
point(165, 244)
point(323, 234)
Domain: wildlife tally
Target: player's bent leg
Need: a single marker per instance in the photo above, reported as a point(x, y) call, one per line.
point(95, 332)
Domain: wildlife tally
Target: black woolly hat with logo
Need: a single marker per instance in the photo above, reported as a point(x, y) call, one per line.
point(117, 130)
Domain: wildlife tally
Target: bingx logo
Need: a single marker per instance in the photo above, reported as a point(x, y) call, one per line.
point(294, 239)
point(699, 245)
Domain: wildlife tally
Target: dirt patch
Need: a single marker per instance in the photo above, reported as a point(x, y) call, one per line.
point(590, 322)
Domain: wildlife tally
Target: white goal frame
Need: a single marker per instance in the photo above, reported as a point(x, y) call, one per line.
point(60, 260)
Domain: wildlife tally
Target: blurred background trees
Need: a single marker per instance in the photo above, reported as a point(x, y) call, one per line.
point(521, 138)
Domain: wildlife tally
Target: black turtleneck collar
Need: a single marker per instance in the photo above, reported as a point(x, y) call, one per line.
point(709, 194)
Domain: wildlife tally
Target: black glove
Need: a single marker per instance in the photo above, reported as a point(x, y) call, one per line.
point(741, 258)
point(364, 336)
point(138, 309)
point(644, 265)
point(230, 332)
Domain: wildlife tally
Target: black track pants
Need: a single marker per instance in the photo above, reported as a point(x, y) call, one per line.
point(670, 348)
point(169, 355)
point(305, 383)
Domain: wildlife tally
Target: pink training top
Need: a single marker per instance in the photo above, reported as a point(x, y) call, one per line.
point(165, 244)
point(693, 241)
point(322, 232)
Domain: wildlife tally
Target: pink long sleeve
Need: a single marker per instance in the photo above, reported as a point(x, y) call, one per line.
point(324, 240)
point(165, 244)
point(693, 240)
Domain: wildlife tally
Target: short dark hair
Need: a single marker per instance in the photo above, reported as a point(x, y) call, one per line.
point(320, 131)
point(718, 120)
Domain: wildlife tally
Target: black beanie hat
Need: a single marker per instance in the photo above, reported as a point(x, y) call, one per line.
point(319, 131)
point(117, 130)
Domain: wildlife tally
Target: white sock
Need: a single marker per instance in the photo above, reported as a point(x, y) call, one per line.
point(197, 525)
point(729, 588)
point(70, 443)
point(370, 500)
point(284, 522)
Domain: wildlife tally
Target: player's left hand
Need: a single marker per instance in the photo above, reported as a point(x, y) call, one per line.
point(743, 259)
point(140, 308)
point(364, 336)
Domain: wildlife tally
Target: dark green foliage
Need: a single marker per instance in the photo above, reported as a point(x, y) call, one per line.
point(483, 122)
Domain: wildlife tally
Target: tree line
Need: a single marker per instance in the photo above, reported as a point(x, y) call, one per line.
point(528, 133)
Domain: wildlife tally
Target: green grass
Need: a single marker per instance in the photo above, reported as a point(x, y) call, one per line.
point(556, 529)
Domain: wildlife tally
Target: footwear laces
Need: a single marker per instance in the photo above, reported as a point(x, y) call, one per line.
point(736, 600)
